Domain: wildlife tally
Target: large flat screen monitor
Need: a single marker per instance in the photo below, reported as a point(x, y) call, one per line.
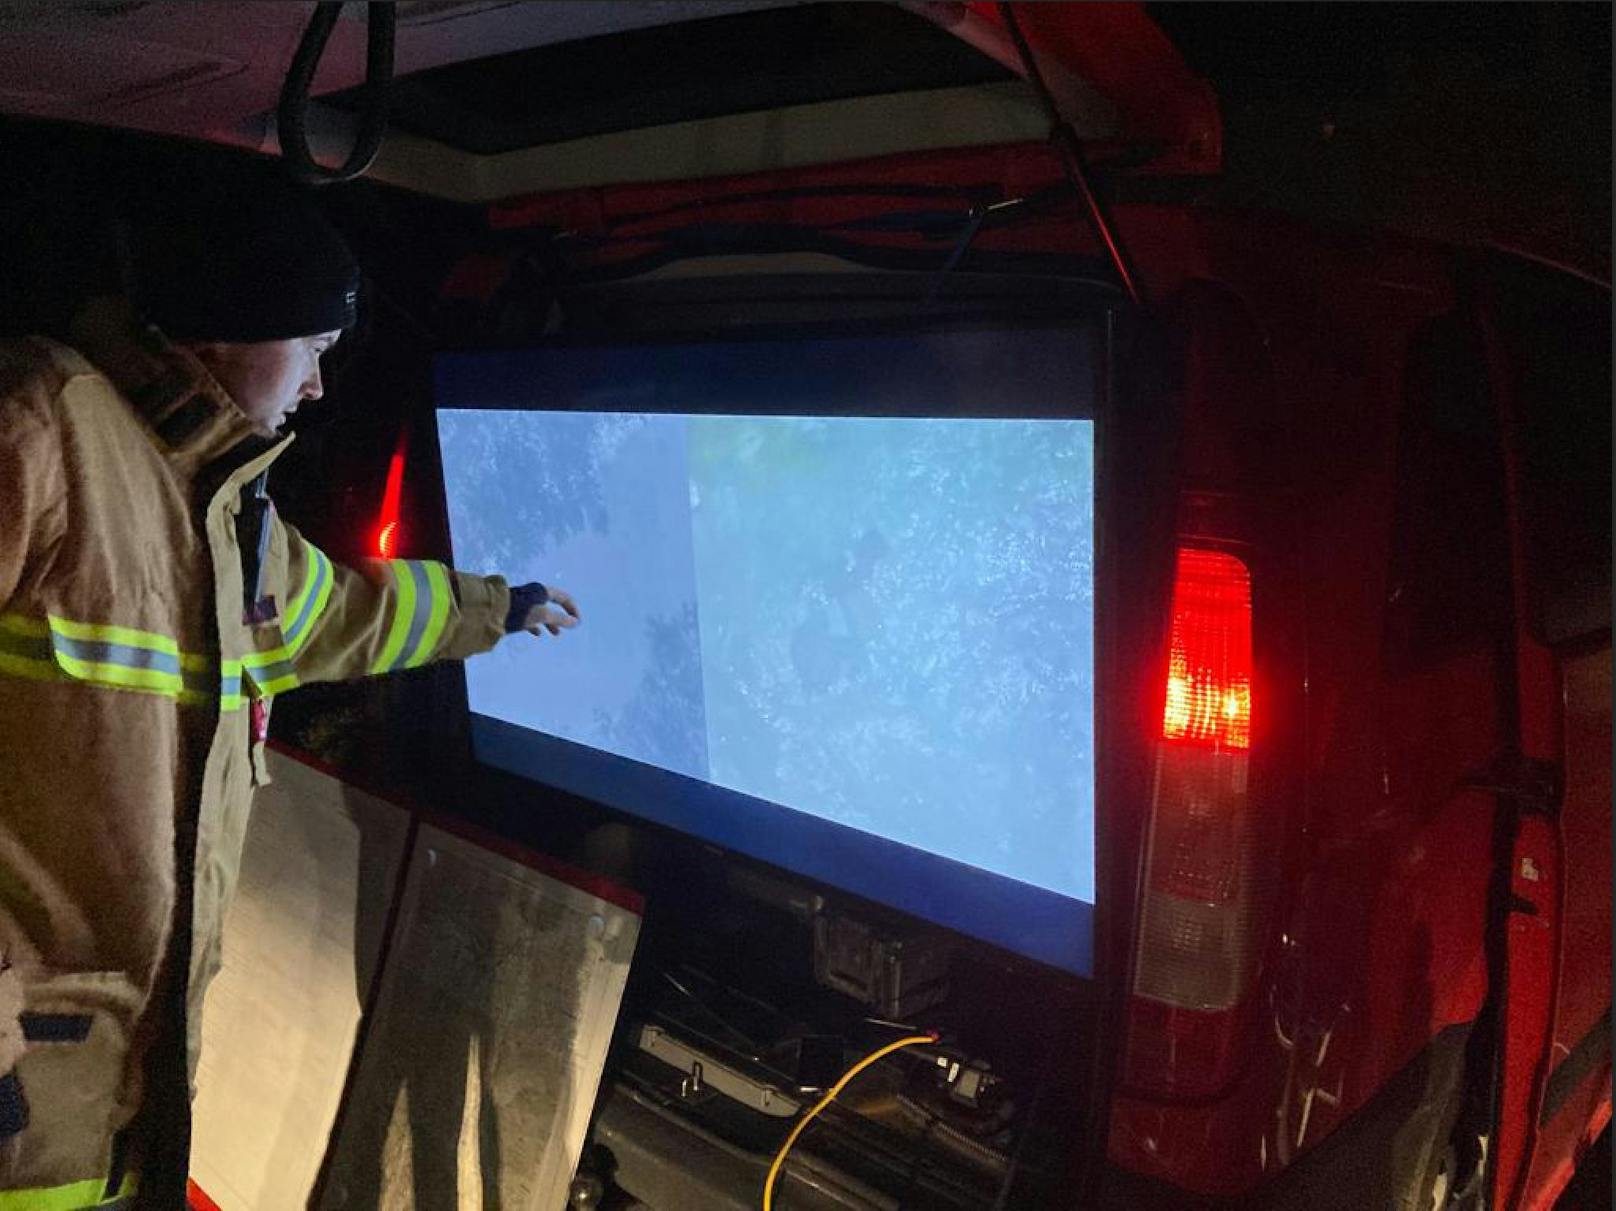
point(838, 603)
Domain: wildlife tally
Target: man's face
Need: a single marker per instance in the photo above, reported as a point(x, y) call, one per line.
point(268, 379)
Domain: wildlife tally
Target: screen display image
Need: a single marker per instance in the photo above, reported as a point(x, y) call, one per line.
point(860, 647)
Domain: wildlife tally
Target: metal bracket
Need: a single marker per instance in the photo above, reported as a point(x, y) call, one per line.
point(703, 1072)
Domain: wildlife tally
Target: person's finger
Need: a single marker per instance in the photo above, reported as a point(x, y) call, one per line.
point(564, 599)
point(543, 618)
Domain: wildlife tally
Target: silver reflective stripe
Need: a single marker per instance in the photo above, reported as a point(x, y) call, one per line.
point(230, 696)
point(423, 610)
point(321, 573)
point(97, 651)
point(267, 675)
point(55, 649)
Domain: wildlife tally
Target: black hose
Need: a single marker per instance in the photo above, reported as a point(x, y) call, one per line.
point(292, 113)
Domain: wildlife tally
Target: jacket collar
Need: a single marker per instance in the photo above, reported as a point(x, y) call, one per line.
point(192, 418)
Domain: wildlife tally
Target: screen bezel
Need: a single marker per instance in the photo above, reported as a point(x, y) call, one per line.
point(1030, 922)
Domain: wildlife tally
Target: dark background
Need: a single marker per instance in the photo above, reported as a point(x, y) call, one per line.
point(1456, 122)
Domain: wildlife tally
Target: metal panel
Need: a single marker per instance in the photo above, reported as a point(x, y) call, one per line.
point(479, 1069)
point(281, 1017)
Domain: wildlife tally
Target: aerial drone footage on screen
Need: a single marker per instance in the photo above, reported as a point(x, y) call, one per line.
point(828, 641)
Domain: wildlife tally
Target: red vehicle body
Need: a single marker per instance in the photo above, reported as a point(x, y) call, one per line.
point(1362, 851)
point(1402, 753)
point(1421, 755)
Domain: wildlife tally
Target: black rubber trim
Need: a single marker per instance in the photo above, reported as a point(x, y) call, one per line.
point(1591, 1051)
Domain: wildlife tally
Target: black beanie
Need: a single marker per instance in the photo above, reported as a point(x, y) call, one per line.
point(252, 261)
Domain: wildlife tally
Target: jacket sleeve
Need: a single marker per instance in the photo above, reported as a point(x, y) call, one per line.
point(341, 623)
point(32, 482)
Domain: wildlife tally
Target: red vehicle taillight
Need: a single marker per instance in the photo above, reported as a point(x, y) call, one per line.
point(1198, 936)
point(387, 540)
point(387, 524)
point(1209, 655)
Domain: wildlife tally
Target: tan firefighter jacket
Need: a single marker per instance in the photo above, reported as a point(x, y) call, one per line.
point(129, 663)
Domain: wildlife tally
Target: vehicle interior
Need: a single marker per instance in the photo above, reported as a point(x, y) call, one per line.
point(724, 196)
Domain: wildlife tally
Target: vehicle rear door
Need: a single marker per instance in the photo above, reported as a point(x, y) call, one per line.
point(1550, 361)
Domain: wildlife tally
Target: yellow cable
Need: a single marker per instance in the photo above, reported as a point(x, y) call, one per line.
point(780, 1156)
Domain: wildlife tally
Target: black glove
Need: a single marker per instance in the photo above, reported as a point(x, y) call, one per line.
point(524, 598)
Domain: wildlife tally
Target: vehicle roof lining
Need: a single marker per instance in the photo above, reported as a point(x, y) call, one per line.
point(740, 62)
point(631, 90)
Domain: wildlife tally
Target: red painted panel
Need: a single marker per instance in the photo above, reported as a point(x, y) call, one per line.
point(1533, 954)
point(1384, 947)
point(1585, 819)
point(1584, 962)
point(1125, 56)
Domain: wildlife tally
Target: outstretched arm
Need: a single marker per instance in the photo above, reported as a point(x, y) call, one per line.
point(341, 623)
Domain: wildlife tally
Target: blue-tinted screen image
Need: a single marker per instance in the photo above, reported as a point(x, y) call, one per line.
point(862, 647)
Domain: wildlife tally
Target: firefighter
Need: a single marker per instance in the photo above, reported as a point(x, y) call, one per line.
point(152, 605)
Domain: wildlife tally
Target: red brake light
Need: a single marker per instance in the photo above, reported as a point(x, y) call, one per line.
point(1209, 661)
point(387, 526)
point(1199, 921)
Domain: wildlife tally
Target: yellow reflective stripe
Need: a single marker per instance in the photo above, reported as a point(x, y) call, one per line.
point(404, 577)
point(230, 696)
point(21, 624)
point(437, 579)
point(272, 667)
point(52, 667)
point(102, 654)
point(30, 644)
point(201, 680)
point(120, 675)
point(297, 623)
point(114, 657)
point(311, 574)
point(301, 615)
point(266, 667)
point(327, 583)
point(124, 636)
point(34, 670)
point(75, 1196)
point(281, 678)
